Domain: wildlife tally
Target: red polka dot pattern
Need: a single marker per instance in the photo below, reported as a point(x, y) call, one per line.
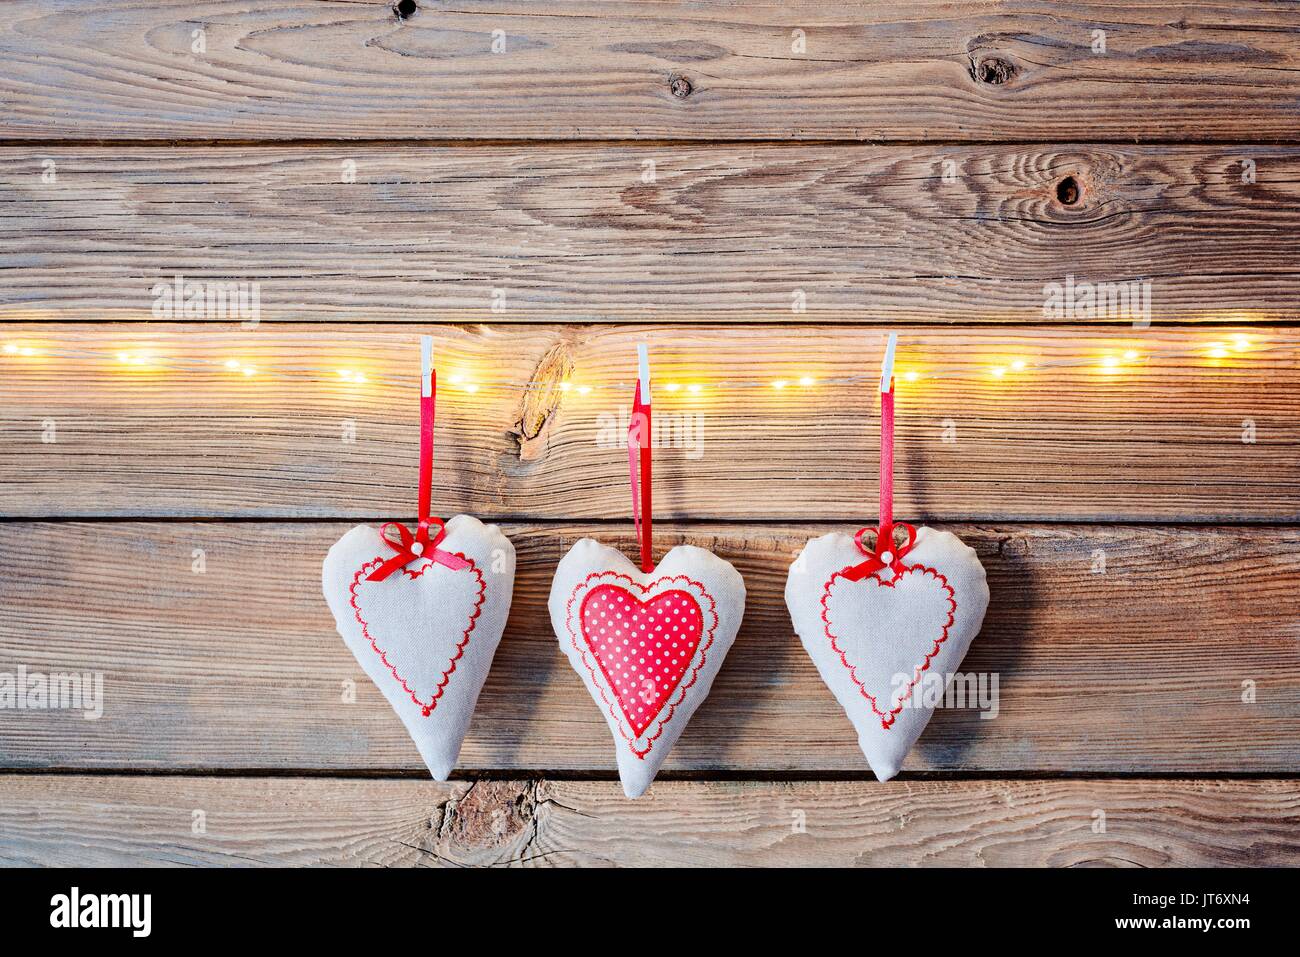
point(643, 647)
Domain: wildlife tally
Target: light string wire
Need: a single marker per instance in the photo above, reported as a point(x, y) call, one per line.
point(1225, 346)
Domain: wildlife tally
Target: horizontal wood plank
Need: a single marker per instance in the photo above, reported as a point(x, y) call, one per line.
point(187, 821)
point(1169, 437)
point(627, 233)
point(1116, 649)
point(970, 70)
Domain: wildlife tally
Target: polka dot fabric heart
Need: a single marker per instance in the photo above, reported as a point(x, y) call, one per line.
point(647, 645)
point(642, 648)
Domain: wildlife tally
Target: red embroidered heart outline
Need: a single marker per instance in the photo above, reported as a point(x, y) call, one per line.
point(709, 618)
point(887, 719)
point(426, 707)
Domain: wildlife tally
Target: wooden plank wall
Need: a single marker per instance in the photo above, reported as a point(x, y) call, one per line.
point(761, 190)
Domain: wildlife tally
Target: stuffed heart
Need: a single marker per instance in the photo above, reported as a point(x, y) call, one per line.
point(426, 633)
point(646, 644)
point(874, 637)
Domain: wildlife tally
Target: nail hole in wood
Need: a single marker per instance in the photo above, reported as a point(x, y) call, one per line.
point(405, 9)
point(1067, 191)
point(681, 87)
point(994, 70)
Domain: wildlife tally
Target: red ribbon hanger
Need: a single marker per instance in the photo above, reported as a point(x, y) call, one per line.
point(411, 547)
point(885, 553)
point(638, 458)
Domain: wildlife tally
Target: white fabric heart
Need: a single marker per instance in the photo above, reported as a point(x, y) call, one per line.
point(426, 634)
point(646, 645)
point(875, 639)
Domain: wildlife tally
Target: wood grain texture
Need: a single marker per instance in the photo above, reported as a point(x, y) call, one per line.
point(821, 233)
point(925, 69)
point(1141, 667)
point(147, 821)
point(1154, 441)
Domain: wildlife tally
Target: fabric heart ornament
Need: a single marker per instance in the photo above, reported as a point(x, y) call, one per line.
point(877, 638)
point(880, 621)
point(646, 644)
point(425, 635)
point(424, 611)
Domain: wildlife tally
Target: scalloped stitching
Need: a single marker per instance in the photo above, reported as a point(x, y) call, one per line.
point(426, 708)
point(614, 707)
point(887, 720)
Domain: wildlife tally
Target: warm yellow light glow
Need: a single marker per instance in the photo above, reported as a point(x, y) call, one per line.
point(358, 378)
point(124, 357)
point(10, 348)
point(779, 384)
point(27, 351)
point(345, 373)
point(566, 386)
point(1018, 365)
point(231, 364)
point(1131, 356)
point(584, 389)
point(672, 387)
point(694, 387)
point(998, 371)
point(471, 388)
point(1110, 362)
point(1217, 351)
point(807, 380)
point(249, 370)
point(912, 376)
point(457, 379)
point(1241, 342)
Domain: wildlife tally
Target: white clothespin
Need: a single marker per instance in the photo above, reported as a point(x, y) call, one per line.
point(643, 370)
point(426, 366)
point(887, 365)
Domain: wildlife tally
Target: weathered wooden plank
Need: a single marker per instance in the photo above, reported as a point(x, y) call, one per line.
point(215, 69)
point(136, 821)
point(1158, 440)
point(719, 233)
point(1116, 649)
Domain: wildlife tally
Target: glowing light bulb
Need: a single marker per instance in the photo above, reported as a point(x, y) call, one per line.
point(807, 380)
point(694, 387)
point(779, 384)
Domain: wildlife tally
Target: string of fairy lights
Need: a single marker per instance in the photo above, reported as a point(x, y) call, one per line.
point(1221, 350)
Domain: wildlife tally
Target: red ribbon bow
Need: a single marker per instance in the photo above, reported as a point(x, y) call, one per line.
point(886, 553)
point(410, 547)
